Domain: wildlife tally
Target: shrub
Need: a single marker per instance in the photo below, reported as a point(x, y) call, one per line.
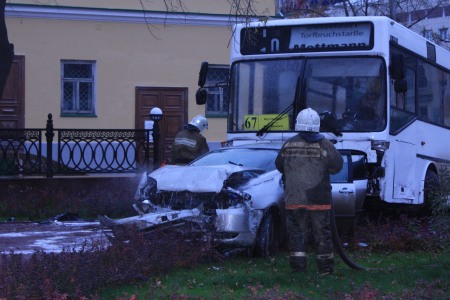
point(78, 273)
point(440, 206)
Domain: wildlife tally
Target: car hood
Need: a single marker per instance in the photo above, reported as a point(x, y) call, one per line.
point(199, 179)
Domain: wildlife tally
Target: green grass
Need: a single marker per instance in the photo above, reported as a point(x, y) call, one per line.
point(415, 275)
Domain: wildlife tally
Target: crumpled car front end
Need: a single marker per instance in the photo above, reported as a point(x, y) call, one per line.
point(226, 210)
point(228, 201)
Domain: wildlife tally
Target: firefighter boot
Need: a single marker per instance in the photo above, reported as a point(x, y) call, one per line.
point(298, 262)
point(325, 264)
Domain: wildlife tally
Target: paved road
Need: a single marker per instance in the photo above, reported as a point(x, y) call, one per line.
point(27, 237)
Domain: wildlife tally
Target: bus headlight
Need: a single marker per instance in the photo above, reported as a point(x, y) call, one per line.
point(380, 146)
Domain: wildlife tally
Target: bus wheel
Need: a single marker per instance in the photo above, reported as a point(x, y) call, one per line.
point(431, 192)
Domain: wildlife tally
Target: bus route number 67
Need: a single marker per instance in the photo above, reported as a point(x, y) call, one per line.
point(251, 122)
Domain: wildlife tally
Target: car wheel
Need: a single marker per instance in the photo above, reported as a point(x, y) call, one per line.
point(267, 238)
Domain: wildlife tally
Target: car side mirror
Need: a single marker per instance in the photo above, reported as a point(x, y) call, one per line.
point(202, 74)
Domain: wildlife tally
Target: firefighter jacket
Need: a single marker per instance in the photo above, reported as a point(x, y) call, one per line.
point(306, 162)
point(188, 145)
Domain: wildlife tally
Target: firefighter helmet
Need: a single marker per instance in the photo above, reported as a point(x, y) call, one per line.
point(308, 120)
point(200, 122)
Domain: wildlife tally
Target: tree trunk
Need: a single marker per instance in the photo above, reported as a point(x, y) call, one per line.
point(6, 49)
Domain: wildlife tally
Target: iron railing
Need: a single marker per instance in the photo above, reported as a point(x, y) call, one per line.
point(74, 151)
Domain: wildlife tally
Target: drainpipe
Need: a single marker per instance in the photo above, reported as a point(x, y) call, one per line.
point(278, 6)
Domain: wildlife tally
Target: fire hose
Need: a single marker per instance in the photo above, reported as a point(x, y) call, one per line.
point(338, 245)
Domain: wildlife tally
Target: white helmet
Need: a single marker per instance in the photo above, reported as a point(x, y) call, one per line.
point(308, 120)
point(200, 122)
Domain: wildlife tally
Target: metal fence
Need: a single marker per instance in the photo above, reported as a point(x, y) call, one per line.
point(73, 151)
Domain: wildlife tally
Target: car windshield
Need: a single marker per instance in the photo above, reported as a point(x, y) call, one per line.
point(263, 159)
point(252, 158)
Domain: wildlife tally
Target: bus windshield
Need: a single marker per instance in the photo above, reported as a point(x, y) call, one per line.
point(349, 93)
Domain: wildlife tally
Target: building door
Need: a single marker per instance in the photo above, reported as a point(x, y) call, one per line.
point(12, 102)
point(173, 103)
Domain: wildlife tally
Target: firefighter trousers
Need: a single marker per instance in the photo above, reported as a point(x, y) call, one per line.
point(298, 221)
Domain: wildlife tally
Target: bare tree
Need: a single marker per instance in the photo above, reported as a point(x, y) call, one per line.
point(245, 11)
point(410, 13)
point(302, 8)
point(396, 9)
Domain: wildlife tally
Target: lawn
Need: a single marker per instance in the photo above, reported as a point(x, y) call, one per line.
point(413, 275)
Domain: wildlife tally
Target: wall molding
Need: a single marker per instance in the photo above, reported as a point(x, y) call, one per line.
point(116, 15)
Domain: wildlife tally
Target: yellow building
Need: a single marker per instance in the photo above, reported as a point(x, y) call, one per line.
point(105, 64)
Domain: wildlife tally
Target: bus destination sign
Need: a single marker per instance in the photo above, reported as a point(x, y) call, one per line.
point(307, 38)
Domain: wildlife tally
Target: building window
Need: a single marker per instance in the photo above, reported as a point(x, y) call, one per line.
point(427, 34)
point(217, 87)
point(443, 34)
point(77, 88)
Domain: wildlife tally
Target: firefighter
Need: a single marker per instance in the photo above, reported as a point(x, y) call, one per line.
point(189, 143)
point(306, 161)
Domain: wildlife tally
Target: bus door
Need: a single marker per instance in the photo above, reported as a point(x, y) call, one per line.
point(404, 170)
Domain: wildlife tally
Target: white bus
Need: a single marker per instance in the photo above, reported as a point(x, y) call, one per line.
point(379, 88)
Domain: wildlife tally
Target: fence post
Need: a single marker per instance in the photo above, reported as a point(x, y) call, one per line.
point(49, 134)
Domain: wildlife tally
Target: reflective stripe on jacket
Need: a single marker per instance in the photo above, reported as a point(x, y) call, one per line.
point(309, 206)
point(306, 161)
point(187, 146)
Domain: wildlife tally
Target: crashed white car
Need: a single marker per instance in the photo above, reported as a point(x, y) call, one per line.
point(234, 192)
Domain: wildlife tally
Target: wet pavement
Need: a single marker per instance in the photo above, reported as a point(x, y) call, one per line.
point(52, 236)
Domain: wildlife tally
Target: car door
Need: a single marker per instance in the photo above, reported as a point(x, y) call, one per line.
point(350, 184)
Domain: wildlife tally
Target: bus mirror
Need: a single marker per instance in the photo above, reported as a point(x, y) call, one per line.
point(400, 86)
point(200, 96)
point(421, 77)
point(202, 74)
point(396, 66)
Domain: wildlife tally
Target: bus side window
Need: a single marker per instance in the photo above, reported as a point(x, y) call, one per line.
point(446, 87)
point(407, 100)
point(430, 92)
point(410, 96)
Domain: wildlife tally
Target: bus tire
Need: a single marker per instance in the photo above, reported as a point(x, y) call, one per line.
point(431, 192)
